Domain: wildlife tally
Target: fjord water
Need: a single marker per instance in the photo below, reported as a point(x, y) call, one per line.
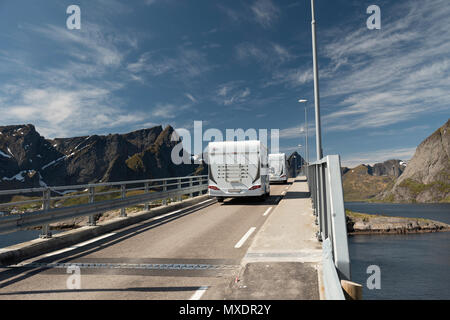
point(413, 266)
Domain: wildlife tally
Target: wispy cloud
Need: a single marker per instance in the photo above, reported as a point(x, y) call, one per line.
point(394, 75)
point(232, 93)
point(268, 54)
point(72, 97)
point(262, 12)
point(191, 97)
point(168, 110)
point(184, 63)
point(61, 113)
point(298, 131)
point(265, 12)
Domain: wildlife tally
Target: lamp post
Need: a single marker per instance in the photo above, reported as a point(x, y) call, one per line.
point(319, 152)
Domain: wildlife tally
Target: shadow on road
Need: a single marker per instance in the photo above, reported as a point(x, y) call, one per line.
point(254, 201)
point(297, 195)
point(143, 289)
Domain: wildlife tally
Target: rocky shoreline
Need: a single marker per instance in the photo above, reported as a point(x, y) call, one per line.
point(361, 223)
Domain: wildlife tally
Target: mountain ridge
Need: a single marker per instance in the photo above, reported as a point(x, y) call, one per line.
point(28, 160)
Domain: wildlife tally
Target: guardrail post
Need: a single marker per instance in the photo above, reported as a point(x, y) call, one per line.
point(147, 204)
point(317, 202)
point(164, 202)
point(203, 181)
point(322, 201)
point(191, 195)
point(91, 200)
point(180, 197)
point(123, 212)
point(45, 232)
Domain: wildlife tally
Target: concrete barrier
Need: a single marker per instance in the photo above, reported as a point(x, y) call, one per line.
point(30, 249)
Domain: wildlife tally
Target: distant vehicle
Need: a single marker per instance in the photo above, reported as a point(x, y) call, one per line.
point(238, 169)
point(278, 167)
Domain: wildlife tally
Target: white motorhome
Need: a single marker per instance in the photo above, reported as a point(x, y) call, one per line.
point(278, 167)
point(238, 169)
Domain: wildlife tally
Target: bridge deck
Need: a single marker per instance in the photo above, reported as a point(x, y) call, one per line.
point(190, 254)
point(283, 260)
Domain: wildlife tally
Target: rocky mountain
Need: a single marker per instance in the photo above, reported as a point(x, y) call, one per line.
point(365, 182)
point(427, 176)
point(393, 168)
point(29, 160)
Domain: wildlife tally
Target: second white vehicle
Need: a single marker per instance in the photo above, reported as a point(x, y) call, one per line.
point(278, 167)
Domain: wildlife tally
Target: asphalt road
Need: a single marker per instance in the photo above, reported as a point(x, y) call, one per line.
point(188, 254)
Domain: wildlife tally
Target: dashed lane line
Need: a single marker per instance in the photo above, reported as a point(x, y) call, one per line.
point(245, 237)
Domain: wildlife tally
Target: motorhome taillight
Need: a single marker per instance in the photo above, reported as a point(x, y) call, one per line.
point(213, 188)
point(255, 187)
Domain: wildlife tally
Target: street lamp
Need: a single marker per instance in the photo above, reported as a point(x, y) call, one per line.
point(319, 152)
point(306, 130)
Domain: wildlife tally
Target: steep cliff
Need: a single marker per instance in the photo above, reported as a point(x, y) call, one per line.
point(427, 176)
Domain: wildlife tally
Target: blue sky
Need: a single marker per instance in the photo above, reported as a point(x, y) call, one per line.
point(231, 64)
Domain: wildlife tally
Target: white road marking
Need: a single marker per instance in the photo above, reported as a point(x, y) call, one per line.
point(176, 211)
point(166, 215)
point(199, 293)
point(286, 188)
point(82, 244)
point(267, 211)
point(283, 193)
point(244, 238)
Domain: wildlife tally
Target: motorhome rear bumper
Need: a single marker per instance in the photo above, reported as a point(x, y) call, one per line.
point(231, 194)
point(277, 179)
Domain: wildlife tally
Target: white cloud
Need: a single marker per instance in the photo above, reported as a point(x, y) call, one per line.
point(168, 110)
point(291, 78)
point(184, 64)
point(265, 12)
point(268, 54)
point(396, 74)
point(90, 44)
point(232, 93)
point(62, 113)
point(297, 131)
point(191, 97)
point(71, 97)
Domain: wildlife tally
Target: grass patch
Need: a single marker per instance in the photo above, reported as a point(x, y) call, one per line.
point(135, 163)
point(416, 187)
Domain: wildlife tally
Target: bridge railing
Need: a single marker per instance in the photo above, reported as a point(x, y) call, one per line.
point(325, 184)
point(49, 206)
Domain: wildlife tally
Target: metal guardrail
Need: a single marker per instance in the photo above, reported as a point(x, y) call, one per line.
point(332, 284)
point(150, 189)
point(325, 183)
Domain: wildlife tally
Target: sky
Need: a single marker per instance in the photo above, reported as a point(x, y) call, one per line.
point(231, 64)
